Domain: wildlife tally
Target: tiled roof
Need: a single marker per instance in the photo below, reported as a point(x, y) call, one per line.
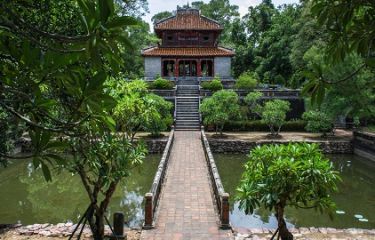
point(188, 52)
point(188, 19)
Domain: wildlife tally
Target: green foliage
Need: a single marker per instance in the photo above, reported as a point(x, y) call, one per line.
point(246, 81)
point(214, 85)
point(274, 114)
point(220, 108)
point(319, 122)
point(160, 16)
point(161, 118)
point(252, 99)
point(161, 83)
point(137, 109)
point(296, 175)
point(54, 60)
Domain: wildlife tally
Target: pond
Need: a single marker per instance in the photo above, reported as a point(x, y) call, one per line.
point(25, 197)
point(355, 200)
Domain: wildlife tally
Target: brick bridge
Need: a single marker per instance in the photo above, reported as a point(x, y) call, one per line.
point(186, 208)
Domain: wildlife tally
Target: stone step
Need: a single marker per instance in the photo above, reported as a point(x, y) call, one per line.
point(187, 103)
point(187, 109)
point(187, 99)
point(188, 114)
point(187, 118)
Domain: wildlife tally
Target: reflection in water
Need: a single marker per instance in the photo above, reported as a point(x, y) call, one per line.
point(356, 196)
point(27, 198)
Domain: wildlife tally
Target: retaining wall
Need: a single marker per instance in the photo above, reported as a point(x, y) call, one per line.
point(364, 144)
point(244, 147)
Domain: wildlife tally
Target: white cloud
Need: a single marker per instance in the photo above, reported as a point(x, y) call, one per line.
point(157, 6)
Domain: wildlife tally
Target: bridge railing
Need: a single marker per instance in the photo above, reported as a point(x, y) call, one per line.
point(221, 197)
point(152, 198)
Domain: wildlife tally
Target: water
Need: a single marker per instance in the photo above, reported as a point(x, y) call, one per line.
point(355, 200)
point(25, 196)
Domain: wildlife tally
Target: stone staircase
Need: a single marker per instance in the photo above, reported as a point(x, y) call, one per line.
point(187, 105)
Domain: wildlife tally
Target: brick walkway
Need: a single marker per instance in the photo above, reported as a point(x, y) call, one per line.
point(186, 209)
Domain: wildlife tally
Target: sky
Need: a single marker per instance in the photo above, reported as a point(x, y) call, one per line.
point(156, 6)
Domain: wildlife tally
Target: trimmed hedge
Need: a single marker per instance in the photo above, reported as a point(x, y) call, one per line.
point(258, 125)
point(214, 85)
point(162, 84)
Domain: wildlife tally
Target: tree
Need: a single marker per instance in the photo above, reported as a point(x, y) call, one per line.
point(221, 11)
point(52, 81)
point(274, 115)
point(318, 122)
point(296, 175)
point(272, 112)
point(246, 81)
point(349, 32)
point(160, 16)
point(137, 109)
point(160, 118)
point(221, 107)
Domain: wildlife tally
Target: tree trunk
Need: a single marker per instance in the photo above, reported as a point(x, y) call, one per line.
point(283, 230)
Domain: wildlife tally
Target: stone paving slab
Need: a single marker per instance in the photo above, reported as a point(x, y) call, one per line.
point(186, 209)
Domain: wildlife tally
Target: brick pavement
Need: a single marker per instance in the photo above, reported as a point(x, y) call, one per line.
point(186, 209)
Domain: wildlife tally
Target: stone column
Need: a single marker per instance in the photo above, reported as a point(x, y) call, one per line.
point(148, 211)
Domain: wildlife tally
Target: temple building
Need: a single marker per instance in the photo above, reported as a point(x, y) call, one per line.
point(189, 48)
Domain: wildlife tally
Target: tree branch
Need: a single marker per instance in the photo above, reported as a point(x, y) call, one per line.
point(345, 78)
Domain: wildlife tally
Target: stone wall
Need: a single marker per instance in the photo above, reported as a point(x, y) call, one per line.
point(364, 144)
point(244, 147)
point(152, 67)
point(156, 145)
point(222, 66)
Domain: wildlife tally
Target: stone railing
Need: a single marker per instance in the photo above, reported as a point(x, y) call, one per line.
point(152, 197)
point(221, 197)
point(364, 144)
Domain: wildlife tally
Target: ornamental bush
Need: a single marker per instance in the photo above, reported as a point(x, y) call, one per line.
point(161, 83)
point(161, 118)
point(214, 85)
point(274, 115)
point(296, 175)
point(318, 122)
point(246, 81)
point(220, 108)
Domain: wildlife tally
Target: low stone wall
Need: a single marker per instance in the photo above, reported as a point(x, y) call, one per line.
point(244, 147)
point(156, 145)
point(307, 233)
point(364, 144)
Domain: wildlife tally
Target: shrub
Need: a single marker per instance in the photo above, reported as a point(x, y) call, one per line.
point(296, 175)
point(161, 83)
point(160, 117)
point(318, 122)
point(220, 108)
point(274, 114)
point(214, 85)
point(246, 81)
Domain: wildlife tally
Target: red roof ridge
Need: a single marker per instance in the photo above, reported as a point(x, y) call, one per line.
point(187, 19)
point(188, 51)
